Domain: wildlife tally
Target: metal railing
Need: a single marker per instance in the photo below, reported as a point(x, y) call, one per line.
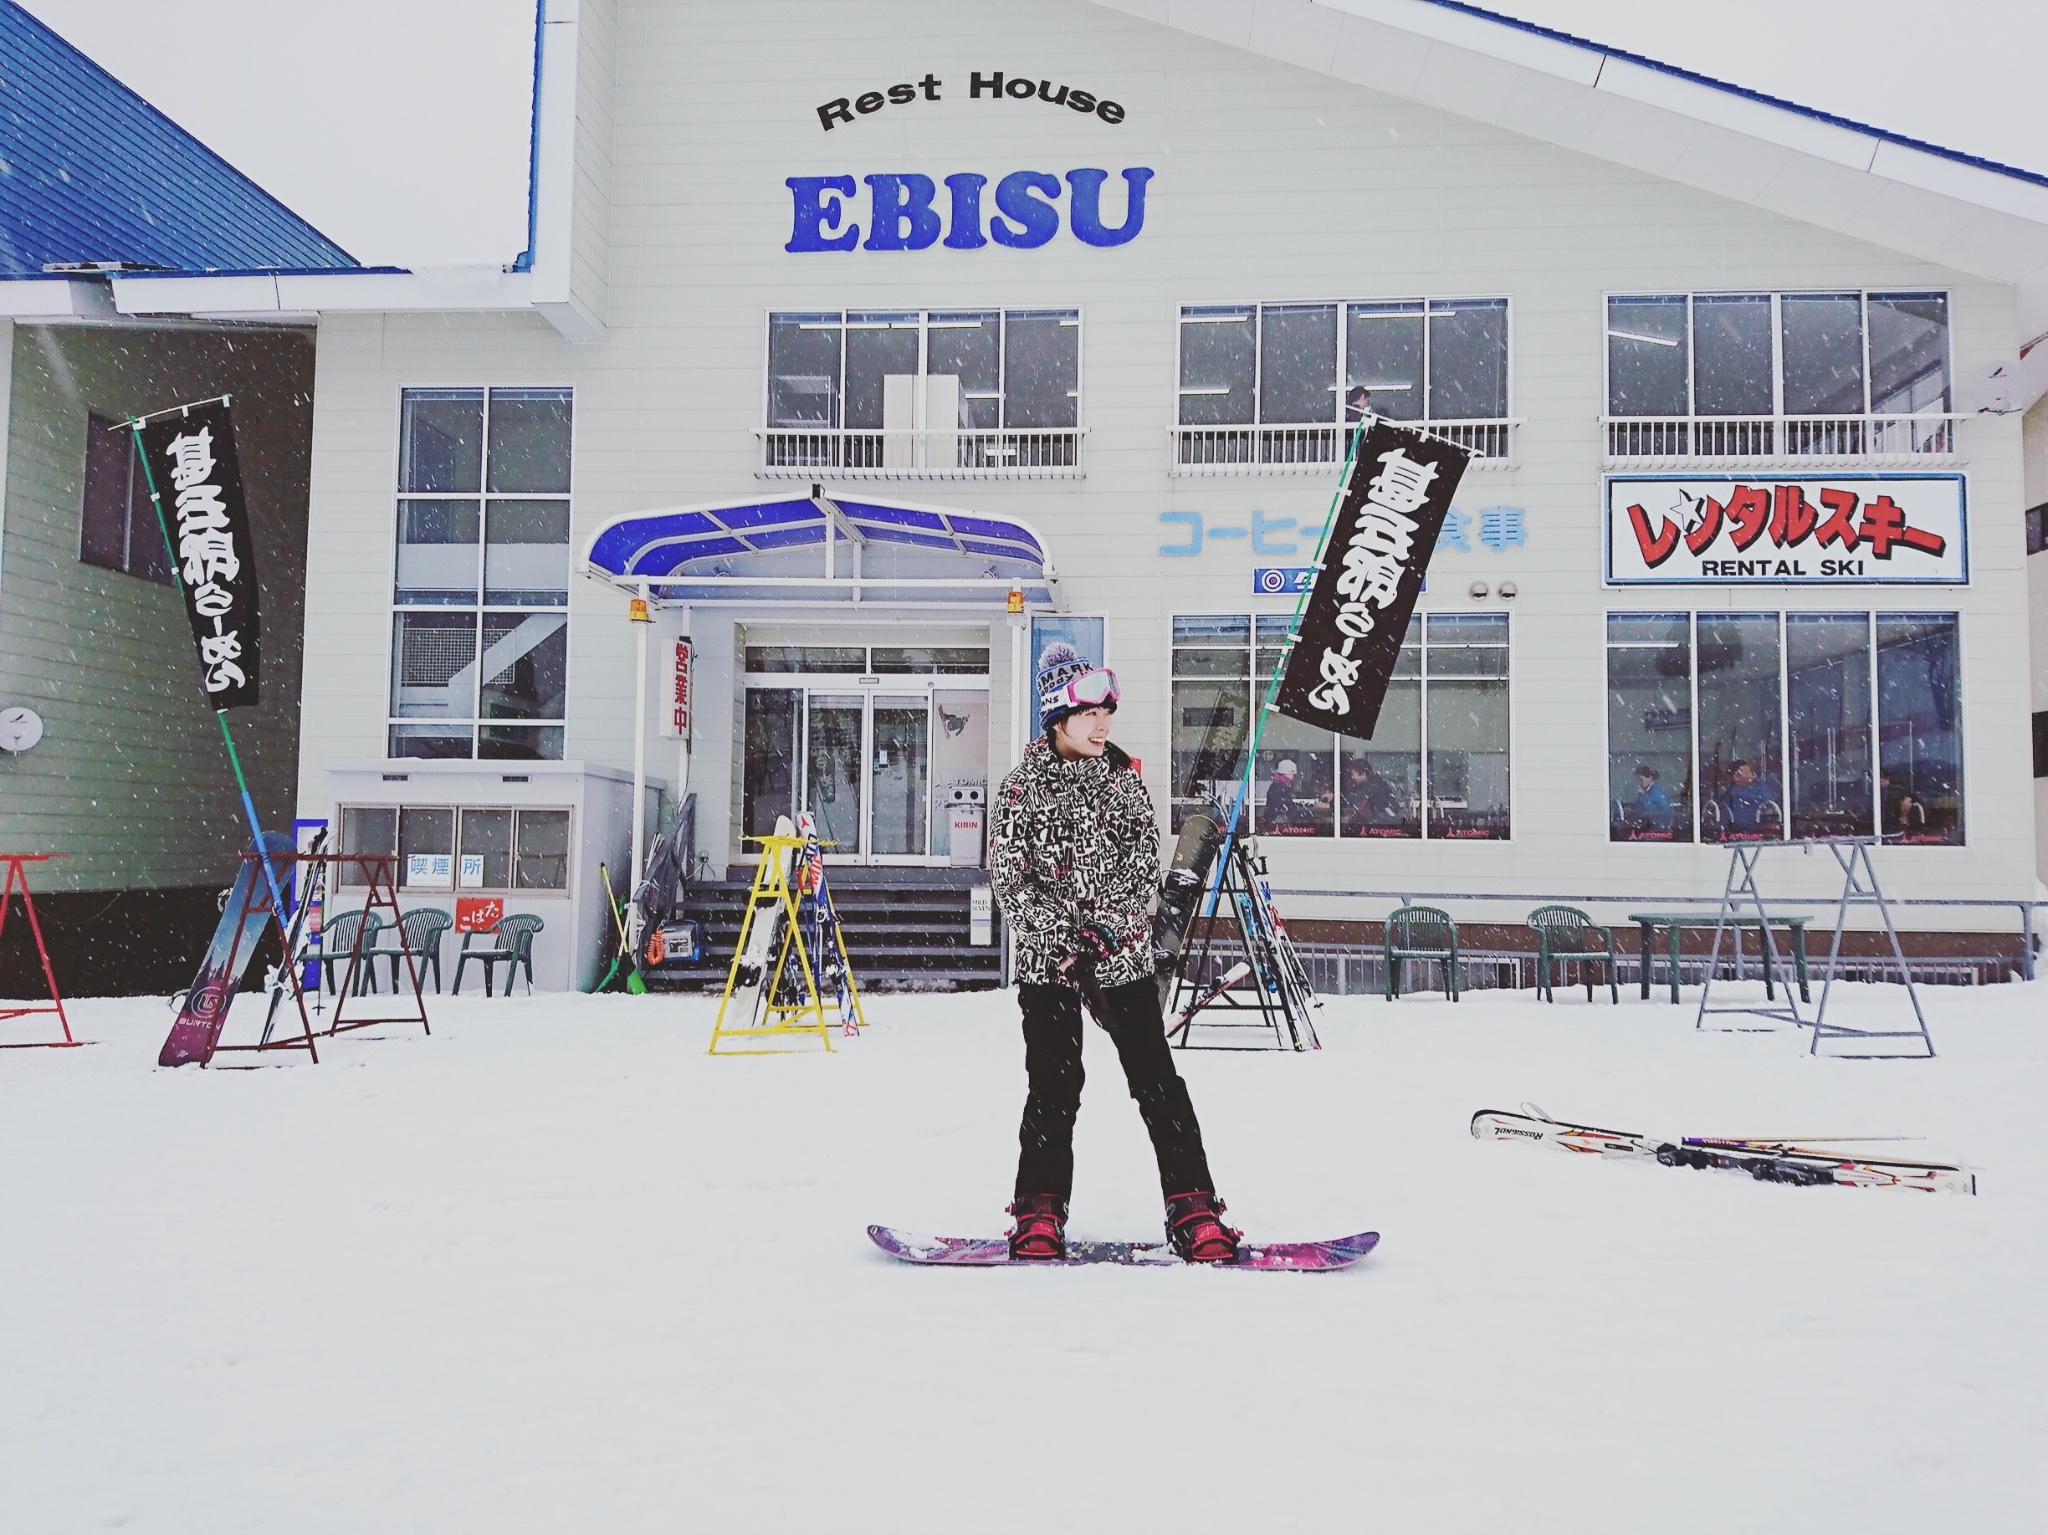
point(1209, 450)
point(957, 453)
point(1791, 441)
point(1355, 970)
point(1528, 900)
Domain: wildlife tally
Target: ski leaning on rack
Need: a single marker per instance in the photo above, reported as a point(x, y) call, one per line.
point(1766, 1161)
point(1180, 893)
point(994, 1252)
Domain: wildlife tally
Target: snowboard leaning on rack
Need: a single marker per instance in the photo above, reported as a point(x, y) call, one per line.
point(994, 1252)
point(754, 987)
point(1180, 893)
point(1764, 1160)
point(197, 1027)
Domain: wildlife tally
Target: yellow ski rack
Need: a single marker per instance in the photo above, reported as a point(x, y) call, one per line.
point(790, 992)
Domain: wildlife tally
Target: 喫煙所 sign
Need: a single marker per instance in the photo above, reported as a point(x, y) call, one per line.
point(1836, 529)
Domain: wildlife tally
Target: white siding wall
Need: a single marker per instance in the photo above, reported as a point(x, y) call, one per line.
point(1272, 184)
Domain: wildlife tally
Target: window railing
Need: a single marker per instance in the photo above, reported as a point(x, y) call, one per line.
point(958, 453)
point(1792, 441)
point(1204, 450)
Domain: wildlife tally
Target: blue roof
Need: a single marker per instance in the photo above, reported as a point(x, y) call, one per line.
point(90, 172)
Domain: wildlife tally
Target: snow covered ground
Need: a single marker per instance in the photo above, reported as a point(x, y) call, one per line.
point(554, 1269)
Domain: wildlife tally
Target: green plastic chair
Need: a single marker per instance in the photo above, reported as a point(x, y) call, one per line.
point(1421, 932)
point(1565, 932)
point(338, 941)
point(514, 945)
point(423, 926)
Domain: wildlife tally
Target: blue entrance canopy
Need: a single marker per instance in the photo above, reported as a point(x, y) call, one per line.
point(824, 550)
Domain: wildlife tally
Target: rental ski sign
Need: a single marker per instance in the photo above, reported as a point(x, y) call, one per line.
point(1842, 529)
point(1373, 563)
point(196, 480)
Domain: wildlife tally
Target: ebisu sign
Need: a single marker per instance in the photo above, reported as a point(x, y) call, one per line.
point(908, 211)
point(1842, 529)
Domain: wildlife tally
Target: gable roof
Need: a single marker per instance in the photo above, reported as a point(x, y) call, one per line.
point(1966, 213)
point(90, 172)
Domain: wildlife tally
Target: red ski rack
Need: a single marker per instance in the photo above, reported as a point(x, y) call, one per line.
point(17, 879)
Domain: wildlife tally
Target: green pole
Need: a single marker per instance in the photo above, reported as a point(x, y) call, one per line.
point(134, 425)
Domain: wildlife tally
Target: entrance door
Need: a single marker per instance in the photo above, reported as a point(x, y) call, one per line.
point(860, 754)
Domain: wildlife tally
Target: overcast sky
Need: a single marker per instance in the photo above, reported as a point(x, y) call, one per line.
point(400, 127)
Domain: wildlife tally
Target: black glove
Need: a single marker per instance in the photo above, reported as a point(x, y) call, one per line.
point(1097, 943)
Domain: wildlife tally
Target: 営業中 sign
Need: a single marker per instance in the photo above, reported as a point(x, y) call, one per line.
point(1840, 529)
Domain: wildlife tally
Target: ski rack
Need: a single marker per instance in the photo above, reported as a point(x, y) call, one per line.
point(17, 880)
point(1859, 888)
point(380, 877)
point(772, 889)
point(1278, 991)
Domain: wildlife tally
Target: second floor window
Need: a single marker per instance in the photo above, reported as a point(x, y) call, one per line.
point(923, 393)
point(118, 528)
point(1274, 384)
point(480, 635)
point(1750, 375)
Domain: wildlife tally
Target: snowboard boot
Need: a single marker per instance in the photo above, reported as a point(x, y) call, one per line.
point(1194, 1225)
point(1041, 1229)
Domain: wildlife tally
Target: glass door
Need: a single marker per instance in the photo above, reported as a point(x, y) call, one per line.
point(899, 782)
point(834, 736)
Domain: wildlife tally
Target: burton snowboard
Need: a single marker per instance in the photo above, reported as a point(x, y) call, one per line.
point(994, 1252)
point(1764, 1160)
point(197, 1027)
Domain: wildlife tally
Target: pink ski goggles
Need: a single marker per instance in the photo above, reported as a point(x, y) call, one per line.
point(1091, 690)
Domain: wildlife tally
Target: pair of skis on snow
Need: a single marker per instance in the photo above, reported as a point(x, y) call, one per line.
point(1767, 1161)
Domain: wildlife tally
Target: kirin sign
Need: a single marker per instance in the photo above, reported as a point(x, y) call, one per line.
point(1849, 529)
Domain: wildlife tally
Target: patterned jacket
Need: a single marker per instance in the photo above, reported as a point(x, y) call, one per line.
point(1071, 841)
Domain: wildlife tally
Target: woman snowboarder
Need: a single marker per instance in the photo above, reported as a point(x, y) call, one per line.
point(1074, 859)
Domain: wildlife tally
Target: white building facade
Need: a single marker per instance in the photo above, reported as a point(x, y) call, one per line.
point(1738, 556)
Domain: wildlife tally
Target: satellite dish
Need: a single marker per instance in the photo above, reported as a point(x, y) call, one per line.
point(1997, 387)
point(19, 728)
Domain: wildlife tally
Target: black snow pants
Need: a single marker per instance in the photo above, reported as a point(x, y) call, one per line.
point(1052, 1059)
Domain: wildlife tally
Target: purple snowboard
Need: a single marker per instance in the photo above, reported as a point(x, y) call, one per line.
point(197, 1028)
point(992, 1252)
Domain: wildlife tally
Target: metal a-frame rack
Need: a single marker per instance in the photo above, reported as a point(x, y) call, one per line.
point(1275, 987)
point(790, 986)
point(1860, 887)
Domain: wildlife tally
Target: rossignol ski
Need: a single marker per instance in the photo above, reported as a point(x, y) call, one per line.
point(1767, 1161)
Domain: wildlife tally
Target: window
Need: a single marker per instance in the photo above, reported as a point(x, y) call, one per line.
point(118, 529)
point(1778, 375)
point(1272, 385)
point(2037, 529)
point(480, 635)
point(912, 660)
point(1730, 727)
point(923, 393)
point(1437, 763)
point(461, 849)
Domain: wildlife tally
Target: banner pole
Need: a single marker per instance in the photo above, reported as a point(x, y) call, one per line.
point(134, 425)
point(1251, 754)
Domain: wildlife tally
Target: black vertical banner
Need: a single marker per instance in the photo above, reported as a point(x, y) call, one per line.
point(197, 481)
point(1373, 563)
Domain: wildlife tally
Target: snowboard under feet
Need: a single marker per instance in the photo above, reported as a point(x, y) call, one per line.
point(994, 1252)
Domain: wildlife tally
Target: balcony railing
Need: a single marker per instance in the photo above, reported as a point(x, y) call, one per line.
point(1779, 441)
point(1205, 450)
point(801, 453)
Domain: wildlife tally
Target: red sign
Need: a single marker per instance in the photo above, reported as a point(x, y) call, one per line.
point(676, 720)
point(478, 913)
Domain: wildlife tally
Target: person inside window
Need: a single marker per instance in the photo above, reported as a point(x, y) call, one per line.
point(1651, 808)
point(1357, 404)
point(1749, 800)
point(1280, 812)
point(1901, 811)
point(1368, 798)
